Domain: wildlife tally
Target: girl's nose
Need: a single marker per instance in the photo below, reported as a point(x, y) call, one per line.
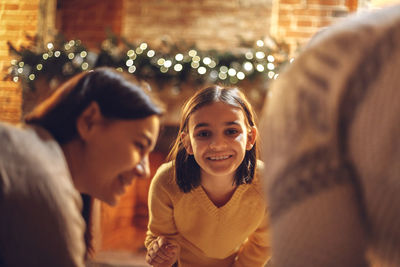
point(142, 170)
point(217, 142)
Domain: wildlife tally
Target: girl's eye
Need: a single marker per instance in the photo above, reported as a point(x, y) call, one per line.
point(231, 132)
point(203, 133)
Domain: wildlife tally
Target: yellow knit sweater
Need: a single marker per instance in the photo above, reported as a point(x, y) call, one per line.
point(235, 234)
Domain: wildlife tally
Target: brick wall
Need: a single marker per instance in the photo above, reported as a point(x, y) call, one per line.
point(296, 21)
point(17, 18)
point(208, 23)
point(88, 20)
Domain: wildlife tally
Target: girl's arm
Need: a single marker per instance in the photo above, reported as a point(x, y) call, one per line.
point(255, 251)
point(161, 234)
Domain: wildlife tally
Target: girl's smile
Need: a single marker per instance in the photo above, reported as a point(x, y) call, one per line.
point(218, 138)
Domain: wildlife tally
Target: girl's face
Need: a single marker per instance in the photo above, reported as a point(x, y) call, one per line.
point(115, 152)
point(218, 138)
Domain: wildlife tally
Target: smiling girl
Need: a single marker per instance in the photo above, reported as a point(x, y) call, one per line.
point(206, 205)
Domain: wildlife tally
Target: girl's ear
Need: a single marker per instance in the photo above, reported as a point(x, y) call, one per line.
point(89, 117)
point(185, 139)
point(251, 138)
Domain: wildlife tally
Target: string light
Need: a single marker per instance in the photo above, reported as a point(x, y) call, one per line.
point(85, 66)
point(150, 53)
point(260, 43)
point(74, 58)
point(178, 67)
point(202, 70)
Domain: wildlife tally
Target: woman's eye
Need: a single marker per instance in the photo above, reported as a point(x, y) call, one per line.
point(140, 146)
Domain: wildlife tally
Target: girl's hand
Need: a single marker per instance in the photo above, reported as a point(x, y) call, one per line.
point(163, 252)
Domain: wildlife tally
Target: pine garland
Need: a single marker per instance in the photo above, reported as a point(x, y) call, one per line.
point(180, 63)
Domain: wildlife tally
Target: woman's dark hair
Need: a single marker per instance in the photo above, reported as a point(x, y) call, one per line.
point(187, 171)
point(119, 96)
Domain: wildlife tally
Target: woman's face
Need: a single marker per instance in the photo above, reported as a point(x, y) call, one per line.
point(115, 152)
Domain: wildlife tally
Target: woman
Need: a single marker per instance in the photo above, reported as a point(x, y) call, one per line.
point(92, 136)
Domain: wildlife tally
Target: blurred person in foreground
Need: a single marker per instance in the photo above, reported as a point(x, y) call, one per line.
point(92, 136)
point(331, 145)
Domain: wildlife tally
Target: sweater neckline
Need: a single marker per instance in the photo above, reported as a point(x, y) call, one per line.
point(211, 207)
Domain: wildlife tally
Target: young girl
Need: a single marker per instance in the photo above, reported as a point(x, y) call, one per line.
point(206, 205)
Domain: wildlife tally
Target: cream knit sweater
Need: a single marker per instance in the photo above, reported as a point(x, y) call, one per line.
point(331, 134)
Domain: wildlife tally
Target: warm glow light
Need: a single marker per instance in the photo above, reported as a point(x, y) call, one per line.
point(206, 60)
point(249, 55)
point(131, 69)
point(248, 66)
point(260, 67)
point(214, 74)
point(202, 70)
point(143, 46)
point(212, 64)
point(260, 43)
point(130, 53)
point(160, 61)
point(178, 67)
point(139, 50)
point(129, 62)
point(223, 69)
point(192, 53)
point(168, 63)
point(240, 75)
point(179, 57)
point(222, 75)
point(232, 72)
point(85, 66)
point(260, 55)
point(151, 53)
point(196, 59)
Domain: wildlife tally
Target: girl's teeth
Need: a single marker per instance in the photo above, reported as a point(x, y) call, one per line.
point(219, 158)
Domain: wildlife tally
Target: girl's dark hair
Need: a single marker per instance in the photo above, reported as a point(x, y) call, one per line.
point(187, 171)
point(118, 95)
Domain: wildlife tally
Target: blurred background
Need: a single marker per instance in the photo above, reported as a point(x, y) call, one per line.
point(177, 46)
